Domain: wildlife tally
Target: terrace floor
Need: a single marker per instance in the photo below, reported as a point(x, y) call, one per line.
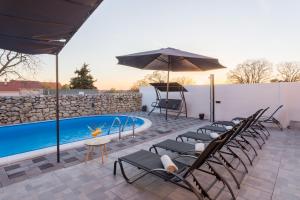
point(275, 173)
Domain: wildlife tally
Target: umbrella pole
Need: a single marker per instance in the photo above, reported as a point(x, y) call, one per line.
point(212, 98)
point(57, 111)
point(168, 89)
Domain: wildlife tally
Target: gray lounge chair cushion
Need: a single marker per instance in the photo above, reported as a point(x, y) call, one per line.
point(217, 129)
point(225, 123)
point(179, 147)
point(197, 136)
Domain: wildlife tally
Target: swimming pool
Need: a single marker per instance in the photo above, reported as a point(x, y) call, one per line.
point(21, 138)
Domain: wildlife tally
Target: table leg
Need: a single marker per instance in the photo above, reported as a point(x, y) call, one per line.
point(105, 150)
point(91, 153)
point(101, 151)
point(87, 154)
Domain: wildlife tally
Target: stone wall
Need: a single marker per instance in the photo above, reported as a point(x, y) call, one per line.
point(15, 110)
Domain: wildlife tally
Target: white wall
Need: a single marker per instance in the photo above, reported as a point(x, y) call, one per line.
point(239, 100)
point(196, 101)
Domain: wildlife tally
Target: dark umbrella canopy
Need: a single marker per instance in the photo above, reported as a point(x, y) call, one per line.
point(169, 59)
point(42, 27)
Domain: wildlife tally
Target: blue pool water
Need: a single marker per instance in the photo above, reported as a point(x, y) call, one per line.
point(22, 138)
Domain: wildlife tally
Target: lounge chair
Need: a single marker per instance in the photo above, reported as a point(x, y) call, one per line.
point(189, 149)
point(202, 133)
point(220, 127)
point(256, 130)
point(271, 119)
point(150, 163)
point(240, 142)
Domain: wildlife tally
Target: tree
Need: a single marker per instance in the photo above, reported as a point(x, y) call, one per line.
point(83, 80)
point(251, 71)
point(112, 90)
point(183, 80)
point(159, 77)
point(138, 84)
point(65, 87)
point(155, 77)
point(12, 64)
point(289, 71)
point(275, 80)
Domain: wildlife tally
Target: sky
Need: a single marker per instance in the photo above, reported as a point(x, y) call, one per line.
point(232, 31)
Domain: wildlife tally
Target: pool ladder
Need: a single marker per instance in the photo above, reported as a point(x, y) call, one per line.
point(121, 128)
point(133, 124)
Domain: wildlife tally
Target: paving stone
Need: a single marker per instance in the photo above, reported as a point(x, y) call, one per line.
point(15, 175)
point(121, 145)
point(71, 159)
point(12, 167)
point(39, 159)
point(65, 153)
point(5, 181)
point(109, 148)
point(143, 138)
point(81, 149)
point(46, 166)
point(33, 171)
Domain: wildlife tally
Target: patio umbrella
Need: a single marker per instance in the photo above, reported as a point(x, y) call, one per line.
point(169, 59)
point(43, 27)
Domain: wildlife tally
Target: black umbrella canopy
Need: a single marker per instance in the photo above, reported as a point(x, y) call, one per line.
point(170, 59)
point(41, 26)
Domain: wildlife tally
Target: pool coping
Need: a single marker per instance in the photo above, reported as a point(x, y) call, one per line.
point(40, 152)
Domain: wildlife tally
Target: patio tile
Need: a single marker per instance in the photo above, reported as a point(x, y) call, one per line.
point(146, 195)
point(250, 193)
point(181, 194)
point(39, 159)
point(133, 141)
point(259, 184)
point(126, 191)
point(121, 145)
point(143, 138)
point(71, 159)
point(12, 167)
point(46, 166)
point(161, 188)
point(16, 175)
point(33, 172)
point(64, 153)
point(81, 149)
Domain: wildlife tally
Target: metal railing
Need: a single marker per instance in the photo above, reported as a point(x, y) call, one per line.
point(116, 120)
point(133, 124)
point(122, 128)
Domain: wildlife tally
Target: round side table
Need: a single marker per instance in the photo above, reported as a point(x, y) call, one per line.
point(93, 144)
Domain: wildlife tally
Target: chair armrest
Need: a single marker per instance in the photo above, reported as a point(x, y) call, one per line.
point(154, 104)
